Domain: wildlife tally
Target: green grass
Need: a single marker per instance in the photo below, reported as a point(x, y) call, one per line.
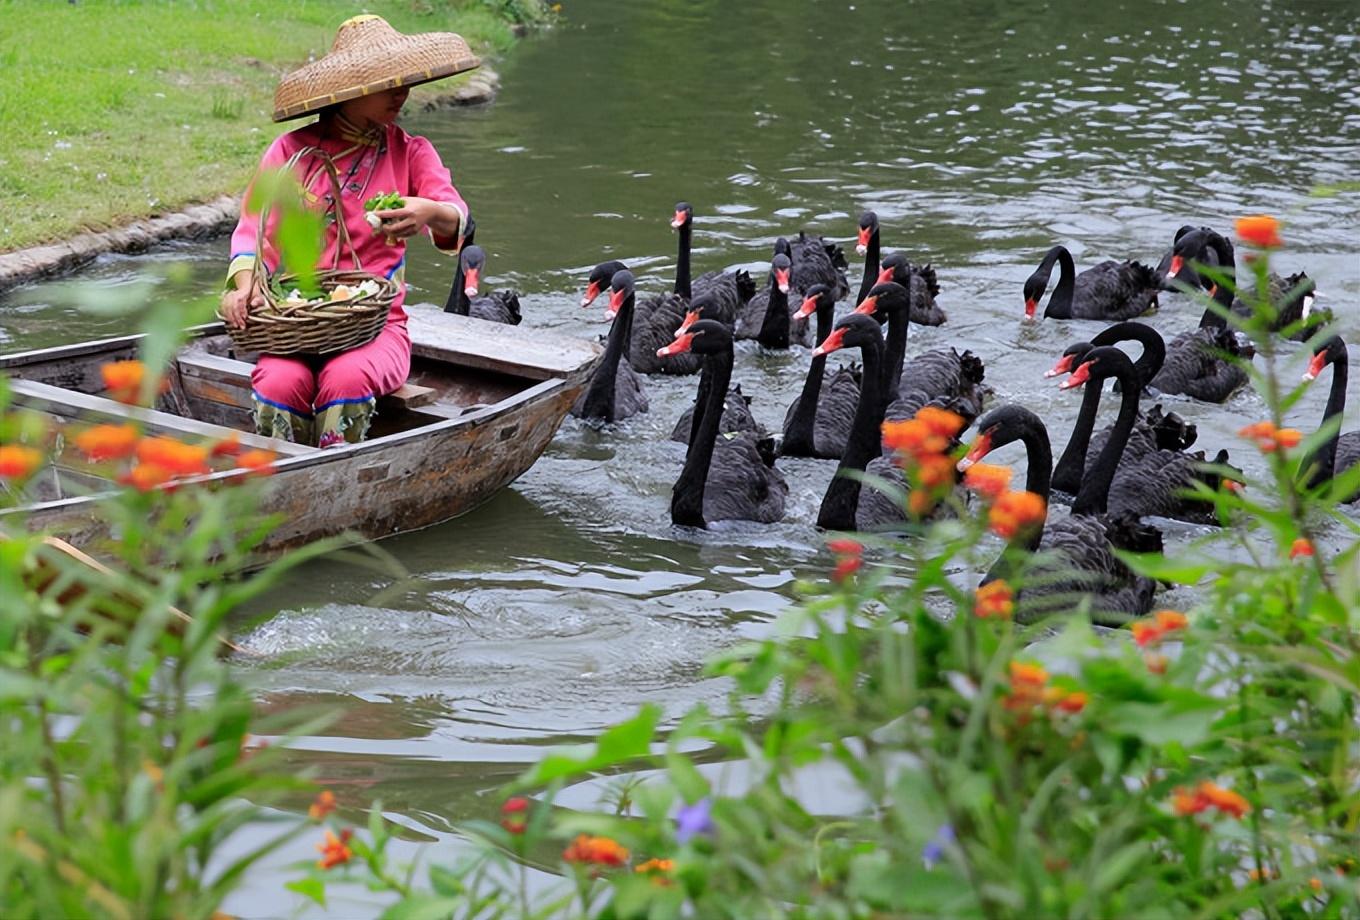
point(119, 109)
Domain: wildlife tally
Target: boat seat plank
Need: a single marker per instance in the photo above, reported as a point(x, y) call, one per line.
point(71, 403)
point(520, 351)
point(226, 380)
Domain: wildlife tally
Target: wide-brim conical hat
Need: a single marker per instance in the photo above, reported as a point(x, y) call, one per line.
point(369, 56)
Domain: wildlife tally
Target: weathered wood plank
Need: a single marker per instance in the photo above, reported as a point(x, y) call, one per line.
point(538, 354)
point(65, 402)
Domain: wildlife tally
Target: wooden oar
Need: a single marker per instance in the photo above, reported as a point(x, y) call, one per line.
point(45, 574)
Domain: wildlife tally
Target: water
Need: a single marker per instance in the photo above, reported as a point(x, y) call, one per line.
point(980, 135)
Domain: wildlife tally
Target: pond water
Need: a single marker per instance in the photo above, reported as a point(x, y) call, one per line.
point(980, 133)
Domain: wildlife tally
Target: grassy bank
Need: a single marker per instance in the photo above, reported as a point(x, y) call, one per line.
point(118, 109)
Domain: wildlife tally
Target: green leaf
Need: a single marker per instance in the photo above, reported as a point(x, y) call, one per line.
point(686, 777)
point(1160, 724)
point(423, 907)
point(312, 888)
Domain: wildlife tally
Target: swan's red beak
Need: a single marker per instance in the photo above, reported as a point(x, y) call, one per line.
point(1231, 485)
point(868, 306)
point(1079, 376)
point(834, 342)
point(690, 319)
point(1063, 366)
point(470, 282)
point(862, 245)
point(592, 291)
point(981, 448)
point(884, 276)
point(679, 220)
point(1315, 366)
point(616, 299)
point(1213, 290)
point(808, 308)
point(678, 347)
point(1177, 263)
point(1030, 306)
point(781, 279)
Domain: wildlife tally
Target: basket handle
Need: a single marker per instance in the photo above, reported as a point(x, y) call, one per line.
point(343, 241)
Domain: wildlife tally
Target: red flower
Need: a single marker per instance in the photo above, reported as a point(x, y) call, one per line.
point(849, 558)
point(845, 568)
point(1150, 632)
point(259, 462)
point(601, 851)
point(1301, 547)
point(1015, 512)
point(513, 814)
point(324, 805)
point(994, 600)
point(18, 461)
point(1209, 795)
point(1259, 230)
point(229, 446)
point(107, 442)
point(335, 850)
point(146, 476)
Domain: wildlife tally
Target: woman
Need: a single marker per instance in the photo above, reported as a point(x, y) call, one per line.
point(358, 89)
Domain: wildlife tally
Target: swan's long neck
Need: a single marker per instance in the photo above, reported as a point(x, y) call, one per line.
point(864, 444)
point(687, 499)
point(700, 404)
point(1154, 346)
point(682, 279)
point(1223, 293)
point(899, 319)
point(1325, 458)
point(774, 329)
point(802, 426)
point(1067, 475)
point(599, 401)
point(1095, 490)
point(871, 267)
point(458, 301)
point(1039, 452)
point(1060, 304)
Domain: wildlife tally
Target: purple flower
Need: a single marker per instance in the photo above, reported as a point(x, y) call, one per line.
point(692, 820)
point(933, 851)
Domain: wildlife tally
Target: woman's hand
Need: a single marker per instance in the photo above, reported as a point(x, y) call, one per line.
point(236, 304)
point(416, 215)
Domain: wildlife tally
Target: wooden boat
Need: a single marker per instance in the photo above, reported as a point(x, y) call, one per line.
point(482, 402)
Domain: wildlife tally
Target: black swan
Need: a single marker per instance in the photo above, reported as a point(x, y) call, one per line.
point(768, 317)
point(815, 261)
point(941, 376)
point(1176, 274)
point(1341, 451)
point(840, 505)
point(730, 290)
point(921, 282)
point(727, 478)
point(1110, 290)
point(1148, 480)
point(1078, 551)
point(867, 245)
point(1292, 300)
point(615, 390)
point(600, 277)
point(498, 307)
point(818, 421)
point(736, 411)
point(1204, 363)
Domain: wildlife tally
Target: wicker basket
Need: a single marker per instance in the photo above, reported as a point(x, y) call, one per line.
point(282, 328)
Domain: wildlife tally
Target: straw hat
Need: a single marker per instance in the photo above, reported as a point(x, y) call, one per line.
point(369, 56)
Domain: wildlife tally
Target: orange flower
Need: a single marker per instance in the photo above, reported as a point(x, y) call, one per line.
point(1027, 674)
point(920, 502)
point(1209, 795)
point(1015, 512)
point(939, 421)
point(994, 600)
point(260, 462)
point(601, 851)
point(1170, 620)
point(1269, 439)
point(931, 431)
point(1225, 800)
point(178, 458)
point(324, 805)
point(1150, 632)
point(1315, 883)
point(1156, 662)
point(1301, 547)
point(1145, 632)
point(1259, 230)
point(123, 381)
point(146, 476)
point(513, 814)
point(656, 865)
point(1288, 437)
point(1073, 702)
point(18, 461)
point(229, 446)
point(107, 442)
point(988, 480)
point(335, 850)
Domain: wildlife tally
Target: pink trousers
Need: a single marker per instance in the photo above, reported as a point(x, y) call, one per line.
point(327, 387)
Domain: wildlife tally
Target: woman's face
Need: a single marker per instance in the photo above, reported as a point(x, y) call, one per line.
point(376, 108)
